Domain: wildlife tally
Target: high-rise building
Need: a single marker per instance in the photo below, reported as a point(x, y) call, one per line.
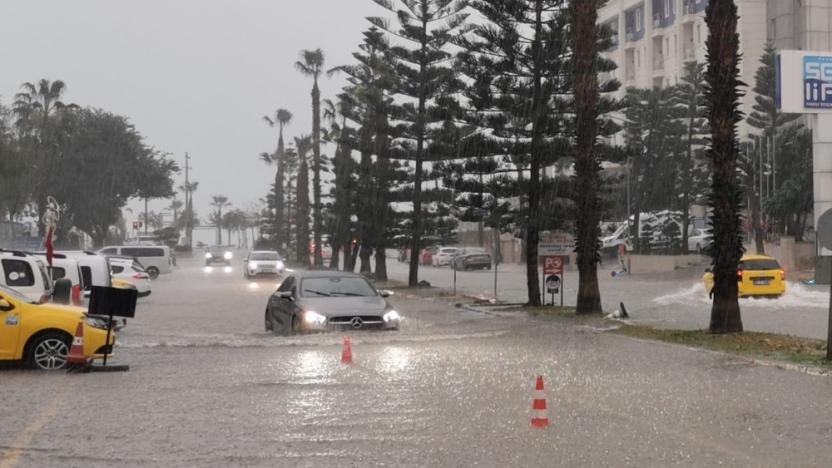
point(654, 38)
point(801, 25)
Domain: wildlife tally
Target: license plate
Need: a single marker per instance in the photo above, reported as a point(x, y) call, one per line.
point(267, 270)
point(761, 282)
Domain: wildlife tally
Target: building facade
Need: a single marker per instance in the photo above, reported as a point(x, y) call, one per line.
point(800, 24)
point(653, 39)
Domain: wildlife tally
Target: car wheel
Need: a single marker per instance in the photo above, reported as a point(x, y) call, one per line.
point(48, 351)
point(269, 325)
point(153, 272)
point(296, 326)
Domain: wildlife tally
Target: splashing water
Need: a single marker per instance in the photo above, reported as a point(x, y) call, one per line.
point(797, 295)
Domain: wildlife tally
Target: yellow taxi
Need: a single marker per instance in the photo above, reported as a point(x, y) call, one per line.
point(41, 334)
point(757, 275)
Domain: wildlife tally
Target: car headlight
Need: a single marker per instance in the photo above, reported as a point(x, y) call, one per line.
point(227, 255)
point(312, 317)
point(392, 316)
point(208, 255)
point(96, 322)
point(252, 265)
point(280, 265)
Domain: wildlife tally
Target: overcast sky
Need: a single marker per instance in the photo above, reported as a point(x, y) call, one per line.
point(192, 75)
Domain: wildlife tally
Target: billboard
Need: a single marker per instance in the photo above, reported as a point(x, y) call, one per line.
point(804, 82)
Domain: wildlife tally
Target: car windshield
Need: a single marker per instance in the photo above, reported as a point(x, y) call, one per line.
point(265, 256)
point(760, 264)
point(5, 291)
point(475, 251)
point(336, 286)
point(217, 249)
point(448, 251)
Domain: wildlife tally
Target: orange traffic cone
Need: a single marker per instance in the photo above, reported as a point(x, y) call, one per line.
point(539, 417)
point(346, 355)
point(76, 351)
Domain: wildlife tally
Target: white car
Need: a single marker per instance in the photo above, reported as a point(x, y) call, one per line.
point(25, 274)
point(263, 262)
point(95, 269)
point(445, 256)
point(157, 259)
point(132, 272)
point(65, 268)
point(698, 240)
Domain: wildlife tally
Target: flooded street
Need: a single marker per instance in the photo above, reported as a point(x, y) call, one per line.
point(208, 387)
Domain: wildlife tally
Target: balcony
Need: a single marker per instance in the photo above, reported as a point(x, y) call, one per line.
point(658, 65)
point(633, 36)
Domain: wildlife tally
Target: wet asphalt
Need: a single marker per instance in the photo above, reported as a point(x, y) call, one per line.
point(209, 388)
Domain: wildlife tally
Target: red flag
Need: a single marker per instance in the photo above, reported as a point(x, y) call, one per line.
point(47, 244)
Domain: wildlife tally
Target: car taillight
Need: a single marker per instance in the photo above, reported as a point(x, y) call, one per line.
point(140, 276)
point(76, 295)
point(782, 275)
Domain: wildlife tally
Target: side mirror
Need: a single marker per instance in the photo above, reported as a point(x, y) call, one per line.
point(385, 293)
point(5, 306)
point(288, 295)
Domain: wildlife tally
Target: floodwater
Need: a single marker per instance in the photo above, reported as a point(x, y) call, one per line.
point(208, 387)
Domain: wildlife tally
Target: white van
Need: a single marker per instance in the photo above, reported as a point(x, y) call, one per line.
point(155, 258)
point(25, 274)
point(95, 269)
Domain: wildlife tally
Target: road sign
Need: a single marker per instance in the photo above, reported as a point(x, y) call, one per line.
point(552, 265)
point(558, 244)
point(553, 284)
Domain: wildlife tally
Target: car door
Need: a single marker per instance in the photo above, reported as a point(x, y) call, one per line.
point(281, 310)
point(9, 329)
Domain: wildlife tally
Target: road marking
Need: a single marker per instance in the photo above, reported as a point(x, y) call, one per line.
point(10, 457)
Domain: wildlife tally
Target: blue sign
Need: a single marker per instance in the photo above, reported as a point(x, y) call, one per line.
point(817, 82)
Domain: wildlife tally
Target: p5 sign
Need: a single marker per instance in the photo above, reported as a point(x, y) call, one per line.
point(553, 265)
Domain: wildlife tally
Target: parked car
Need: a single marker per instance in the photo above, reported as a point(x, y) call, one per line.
point(26, 274)
point(426, 256)
point(472, 258)
point(95, 269)
point(698, 240)
point(757, 275)
point(263, 262)
point(65, 268)
point(131, 272)
point(445, 256)
point(155, 258)
point(218, 254)
point(41, 334)
point(320, 300)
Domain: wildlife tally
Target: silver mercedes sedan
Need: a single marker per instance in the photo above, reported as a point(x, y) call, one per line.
point(309, 301)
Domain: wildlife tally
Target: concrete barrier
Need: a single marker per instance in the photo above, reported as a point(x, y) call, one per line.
point(639, 264)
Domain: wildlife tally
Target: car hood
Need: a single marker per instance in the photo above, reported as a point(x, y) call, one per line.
point(338, 306)
point(65, 309)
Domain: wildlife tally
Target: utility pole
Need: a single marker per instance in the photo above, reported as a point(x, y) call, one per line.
point(188, 208)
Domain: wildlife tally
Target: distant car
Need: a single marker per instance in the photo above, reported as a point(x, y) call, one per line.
point(218, 254)
point(131, 272)
point(263, 262)
point(445, 256)
point(757, 275)
point(155, 258)
point(472, 258)
point(426, 256)
point(41, 334)
point(320, 300)
point(698, 240)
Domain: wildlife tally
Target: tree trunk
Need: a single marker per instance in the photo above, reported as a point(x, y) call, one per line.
point(586, 164)
point(416, 225)
point(302, 228)
point(316, 172)
point(722, 98)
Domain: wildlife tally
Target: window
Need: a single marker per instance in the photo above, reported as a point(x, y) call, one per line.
point(287, 285)
point(109, 251)
point(336, 286)
point(760, 264)
point(116, 269)
point(143, 252)
point(86, 276)
point(18, 273)
point(57, 273)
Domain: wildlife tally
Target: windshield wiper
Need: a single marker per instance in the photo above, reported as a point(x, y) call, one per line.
point(316, 292)
point(348, 294)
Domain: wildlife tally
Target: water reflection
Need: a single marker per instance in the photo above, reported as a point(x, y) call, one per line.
point(228, 269)
point(208, 270)
point(395, 360)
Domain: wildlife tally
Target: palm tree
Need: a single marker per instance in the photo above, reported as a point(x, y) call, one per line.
point(722, 102)
point(587, 167)
point(175, 205)
point(38, 108)
point(282, 118)
point(219, 202)
point(303, 145)
point(311, 64)
point(188, 189)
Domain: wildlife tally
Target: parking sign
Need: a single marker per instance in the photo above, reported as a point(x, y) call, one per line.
point(553, 265)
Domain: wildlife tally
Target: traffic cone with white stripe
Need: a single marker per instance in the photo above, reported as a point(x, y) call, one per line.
point(76, 351)
point(539, 416)
point(346, 355)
